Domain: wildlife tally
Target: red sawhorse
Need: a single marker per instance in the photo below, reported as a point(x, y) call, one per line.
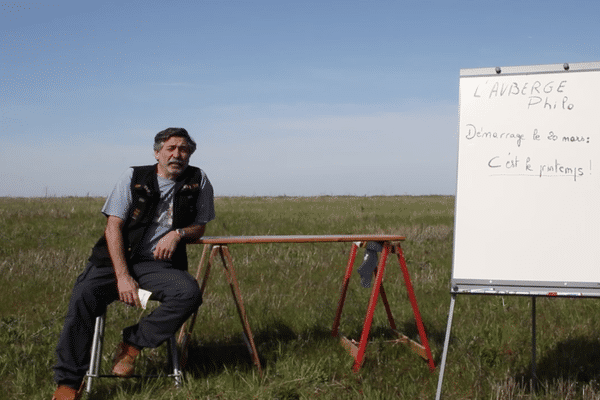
point(357, 350)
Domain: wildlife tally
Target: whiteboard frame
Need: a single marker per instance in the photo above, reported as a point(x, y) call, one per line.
point(530, 69)
point(519, 287)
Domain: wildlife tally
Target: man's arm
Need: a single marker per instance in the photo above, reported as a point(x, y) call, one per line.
point(126, 285)
point(193, 232)
point(167, 244)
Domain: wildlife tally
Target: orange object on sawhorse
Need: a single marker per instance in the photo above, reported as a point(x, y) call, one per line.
point(219, 246)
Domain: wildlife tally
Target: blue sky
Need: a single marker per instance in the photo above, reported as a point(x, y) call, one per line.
point(300, 98)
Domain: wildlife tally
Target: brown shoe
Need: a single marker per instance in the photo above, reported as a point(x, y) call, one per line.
point(124, 359)
point(67, 393)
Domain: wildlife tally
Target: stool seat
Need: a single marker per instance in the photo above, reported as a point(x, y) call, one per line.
point(96, 357)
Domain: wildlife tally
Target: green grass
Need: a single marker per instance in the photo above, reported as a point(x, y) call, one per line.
point(291, 293)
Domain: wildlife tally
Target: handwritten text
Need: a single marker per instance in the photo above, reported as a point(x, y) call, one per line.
point(473, 132)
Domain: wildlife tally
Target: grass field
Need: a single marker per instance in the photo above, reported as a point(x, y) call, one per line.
point(291, 293)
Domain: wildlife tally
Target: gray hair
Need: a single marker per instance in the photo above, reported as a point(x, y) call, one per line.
point(162, 136)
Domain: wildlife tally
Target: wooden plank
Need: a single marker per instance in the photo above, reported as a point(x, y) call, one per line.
point(297, 239)
point(350, 345)
point(417, 348)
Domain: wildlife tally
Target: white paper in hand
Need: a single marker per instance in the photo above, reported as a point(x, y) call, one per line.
point(144, 295)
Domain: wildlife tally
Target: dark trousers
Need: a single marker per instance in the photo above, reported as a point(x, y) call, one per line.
point(96, 288)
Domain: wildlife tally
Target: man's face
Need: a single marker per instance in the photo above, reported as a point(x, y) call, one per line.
point(173, 157)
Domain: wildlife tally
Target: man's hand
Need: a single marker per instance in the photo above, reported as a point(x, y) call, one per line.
point(128, 290)
point(166, 246)
point(126, 285)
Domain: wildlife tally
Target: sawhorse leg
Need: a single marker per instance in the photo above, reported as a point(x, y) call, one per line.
point(413, 301)
point(237, 297)
point(185, 333)
point(364, 337)
point(357, 352)
point(349, 267)
point(229, 270)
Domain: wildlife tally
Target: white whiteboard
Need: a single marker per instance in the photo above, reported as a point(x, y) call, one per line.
point(527, 214)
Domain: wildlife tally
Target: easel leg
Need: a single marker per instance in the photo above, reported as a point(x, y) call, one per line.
point(415, 306)
point(445, 351)
point(534, 379)
point(371, 309)
point(349, 267)
point(237, 297)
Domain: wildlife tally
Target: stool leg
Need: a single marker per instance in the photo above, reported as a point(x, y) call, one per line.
point(96, 352)
point(173, 355)
point(96, 356)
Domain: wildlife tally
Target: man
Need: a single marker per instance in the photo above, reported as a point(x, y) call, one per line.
point(151, 213)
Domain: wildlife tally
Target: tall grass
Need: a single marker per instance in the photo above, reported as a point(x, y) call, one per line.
point(291, 293)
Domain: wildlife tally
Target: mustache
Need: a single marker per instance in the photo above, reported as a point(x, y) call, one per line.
point(176, 161)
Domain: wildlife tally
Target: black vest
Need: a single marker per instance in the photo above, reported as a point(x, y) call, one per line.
point(145, 197)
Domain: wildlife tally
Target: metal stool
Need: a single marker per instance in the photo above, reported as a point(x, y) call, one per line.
point(96, 357)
